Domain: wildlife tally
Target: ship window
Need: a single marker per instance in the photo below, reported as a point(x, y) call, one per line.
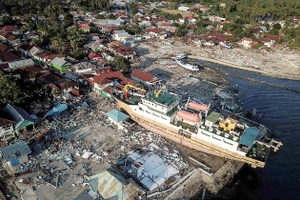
point(141, 109)
point(205, 134)
point(227, 142)
point(216, 138)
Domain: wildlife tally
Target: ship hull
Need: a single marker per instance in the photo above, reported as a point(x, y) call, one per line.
point(192, 142)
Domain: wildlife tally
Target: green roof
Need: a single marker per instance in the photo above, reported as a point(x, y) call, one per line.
point(164, 98)
point(213, 117)
point(249, 136)
point(116, 115)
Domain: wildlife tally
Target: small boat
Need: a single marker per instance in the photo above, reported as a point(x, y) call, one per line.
point(224, 45)
point(187, 65)
point(179, 56)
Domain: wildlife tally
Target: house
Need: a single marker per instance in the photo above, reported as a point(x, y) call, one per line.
point(107, 55)
point(117, 117)
point(216, 19)
point(3, 48)
point(21, 118)
point(125, 51)
point(9, 56)
point(14, 158)
point(97, 46)
point(12, 30)
point(183, 8)
point(142, 163)
point(47, 57)
point(121, 35)
point(6, 130)
point(154, 32)
point(246, 42)
point(146, 79)
point(15, 65)
point(85, 28)
point(12, 39)
point(61, 64)
point(31, 72)
point(95, 57)
point(108, 178)
point(67, 86)
point(99, 82)
point(83, 67)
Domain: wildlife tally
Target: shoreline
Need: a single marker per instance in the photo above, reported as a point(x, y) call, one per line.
point(237, 66)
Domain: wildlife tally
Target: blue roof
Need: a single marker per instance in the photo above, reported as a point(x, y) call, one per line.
point(17, 150)
point(249, 136)
point(117, 115)
point(18, 114)
point(56, 111)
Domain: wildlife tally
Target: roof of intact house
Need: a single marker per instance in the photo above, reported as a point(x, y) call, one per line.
point(117, 115)
point(5, 122)
point(15, 150)
point(18, 114)
point(142, 75)
point(59, 61)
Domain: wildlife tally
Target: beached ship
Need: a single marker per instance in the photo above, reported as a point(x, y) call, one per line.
point(187, 65)
point(193, 125)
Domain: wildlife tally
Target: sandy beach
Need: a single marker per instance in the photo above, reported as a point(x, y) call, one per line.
point(279, 62)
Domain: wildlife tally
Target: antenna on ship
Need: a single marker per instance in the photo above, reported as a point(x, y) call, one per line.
point(186, 105)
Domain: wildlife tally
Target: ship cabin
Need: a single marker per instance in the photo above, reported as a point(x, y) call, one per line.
point(161, 108)
point(234, 135)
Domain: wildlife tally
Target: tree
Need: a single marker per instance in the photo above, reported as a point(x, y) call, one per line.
point(11, 90)
point(181, 30)
point(277, 26)
point(274, 31)
point(122, 64)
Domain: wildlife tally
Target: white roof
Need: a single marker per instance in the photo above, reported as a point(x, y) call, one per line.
point(155, 171)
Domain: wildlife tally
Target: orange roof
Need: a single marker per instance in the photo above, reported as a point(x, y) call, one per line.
point(83, 25)
point(142, 75)
point(189, 117)
point(198, 107)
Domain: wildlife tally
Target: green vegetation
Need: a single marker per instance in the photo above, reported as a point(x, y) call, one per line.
point(16, 91)
point(181, 30)
point(122, 64)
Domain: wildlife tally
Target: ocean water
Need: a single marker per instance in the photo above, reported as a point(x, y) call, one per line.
point(280, 108)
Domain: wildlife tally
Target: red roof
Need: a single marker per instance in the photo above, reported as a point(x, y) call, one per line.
point(3, 47)
point(103, 70)
point(84, 26)
point(247, 39)
point(49, 77)
point(142, 75)
point(9, 56)
point(273, 37)
point(153, 29)
point(9, 28)
point(95, 55)
point(108, 90)
point(67, 84)
point(5, 122)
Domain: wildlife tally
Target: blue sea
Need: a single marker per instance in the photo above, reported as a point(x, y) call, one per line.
point(280, 108)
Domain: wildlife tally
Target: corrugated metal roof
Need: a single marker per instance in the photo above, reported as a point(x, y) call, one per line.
point(249, 136)
point(59, 61)
point(116, 115)
point(142, 75)
point(18, 114)
point(111, 185)
point(15, 151)
point(21, 64)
